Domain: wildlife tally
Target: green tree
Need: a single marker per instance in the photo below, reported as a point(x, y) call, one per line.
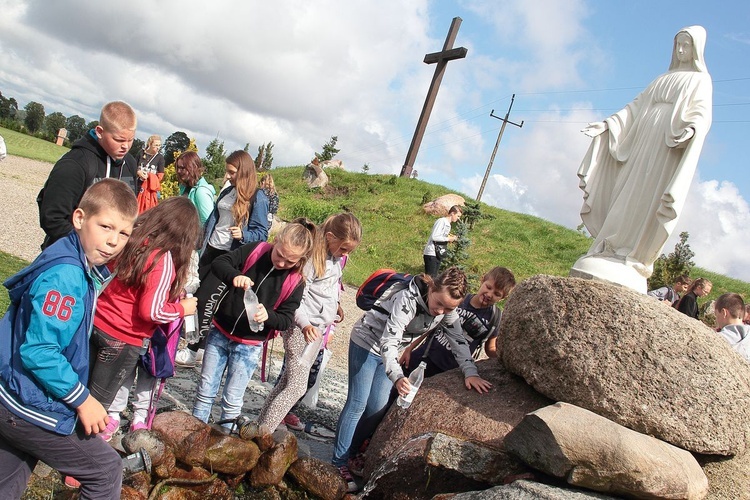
point(215, 160)
point(471, 213)
point(329, 150)
point(137, 147)
point(76, 127)
point(54, 122)
point(264, 160)
point(8, 107)
point(174, 145)
point(668, 268)
point(92, 125)
point(34, 116)
point(458, 251)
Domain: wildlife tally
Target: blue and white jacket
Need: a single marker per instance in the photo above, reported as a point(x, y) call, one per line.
point(256, 228)
point(44, 336)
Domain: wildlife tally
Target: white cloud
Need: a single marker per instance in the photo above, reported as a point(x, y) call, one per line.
point(717, 217)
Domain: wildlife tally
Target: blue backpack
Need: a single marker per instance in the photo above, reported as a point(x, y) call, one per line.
point(370, 292)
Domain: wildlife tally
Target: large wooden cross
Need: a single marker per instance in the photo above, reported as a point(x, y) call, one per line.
point(441, 58)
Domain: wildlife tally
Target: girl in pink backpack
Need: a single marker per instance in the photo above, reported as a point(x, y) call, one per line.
point(273, 273)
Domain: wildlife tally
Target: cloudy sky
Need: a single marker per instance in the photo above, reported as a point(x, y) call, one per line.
point(298, 72)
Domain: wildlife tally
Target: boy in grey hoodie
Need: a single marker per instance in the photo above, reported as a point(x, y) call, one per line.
point(730, 309)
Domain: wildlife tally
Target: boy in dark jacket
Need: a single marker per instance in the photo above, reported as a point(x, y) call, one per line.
point(44, 352)
point(101, 153)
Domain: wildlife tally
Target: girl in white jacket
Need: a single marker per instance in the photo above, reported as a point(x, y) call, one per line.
point(338, 236)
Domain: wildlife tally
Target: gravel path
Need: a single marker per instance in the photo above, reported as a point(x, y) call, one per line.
point(21, 179)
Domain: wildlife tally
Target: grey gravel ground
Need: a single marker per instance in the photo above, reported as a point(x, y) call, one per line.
point(22, 179)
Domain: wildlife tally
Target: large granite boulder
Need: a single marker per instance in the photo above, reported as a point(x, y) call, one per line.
point(443, 404)
point(405, 475)
point(629, 358)
point(439, 207)
point(589, 451)
point(314, 176)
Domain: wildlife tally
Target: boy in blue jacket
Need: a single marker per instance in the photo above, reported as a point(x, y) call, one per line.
point(44, 352)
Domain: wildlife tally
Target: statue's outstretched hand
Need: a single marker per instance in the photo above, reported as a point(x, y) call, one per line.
point(594, 129)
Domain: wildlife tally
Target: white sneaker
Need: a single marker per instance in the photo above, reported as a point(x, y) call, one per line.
point(187, 358)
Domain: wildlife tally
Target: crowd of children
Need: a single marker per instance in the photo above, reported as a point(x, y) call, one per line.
point(84, 314)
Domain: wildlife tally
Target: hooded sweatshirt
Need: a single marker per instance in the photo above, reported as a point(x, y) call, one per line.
point(85, 164)
point(738, 337)
point(382, 333)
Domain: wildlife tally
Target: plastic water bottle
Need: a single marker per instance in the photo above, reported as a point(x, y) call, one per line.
point(191, 332)
point(251, 307)
point(310, 354)
point(415, 380)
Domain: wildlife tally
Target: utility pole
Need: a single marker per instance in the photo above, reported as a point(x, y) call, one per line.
point(441, 58)
point(497, 143)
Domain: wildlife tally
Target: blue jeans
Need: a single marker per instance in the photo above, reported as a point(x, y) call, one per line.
point(239, 360)
point(366, 402)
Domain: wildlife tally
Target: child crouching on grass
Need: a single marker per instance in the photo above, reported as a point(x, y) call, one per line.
point(231, 346)
point(46, 410)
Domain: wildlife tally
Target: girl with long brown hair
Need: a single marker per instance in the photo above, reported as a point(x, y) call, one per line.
point(241, 212)
point(150, 275)
point(240, 216)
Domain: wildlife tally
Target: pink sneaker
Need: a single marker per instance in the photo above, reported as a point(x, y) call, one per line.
point(112, 427)
point(351, 485)
point(293, 422)
point(138, 426)
point(72, 482)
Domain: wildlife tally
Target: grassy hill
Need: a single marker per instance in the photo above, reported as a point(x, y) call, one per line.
point(26, 146)
point(396, 228)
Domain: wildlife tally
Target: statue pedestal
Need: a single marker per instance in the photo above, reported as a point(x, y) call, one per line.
point(610, 270)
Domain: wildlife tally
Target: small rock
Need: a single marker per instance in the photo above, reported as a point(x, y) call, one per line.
point(319, 478)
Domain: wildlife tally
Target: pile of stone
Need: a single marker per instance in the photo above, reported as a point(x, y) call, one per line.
point(598, 392)
point(193, 460)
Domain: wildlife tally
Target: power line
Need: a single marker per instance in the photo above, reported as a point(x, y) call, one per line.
point(473, 114)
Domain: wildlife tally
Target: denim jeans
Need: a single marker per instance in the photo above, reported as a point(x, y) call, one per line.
point(366, 402)
point(239, 361)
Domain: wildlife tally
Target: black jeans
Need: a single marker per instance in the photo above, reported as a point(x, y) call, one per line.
point(89, 459)
point(431, 265)
point(112, 362)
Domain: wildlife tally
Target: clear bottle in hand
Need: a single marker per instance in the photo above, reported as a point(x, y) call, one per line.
point(251, 307)
point(191, 332)
point(415, 380)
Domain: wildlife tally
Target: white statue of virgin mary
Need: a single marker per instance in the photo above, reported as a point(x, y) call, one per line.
point(636, 174)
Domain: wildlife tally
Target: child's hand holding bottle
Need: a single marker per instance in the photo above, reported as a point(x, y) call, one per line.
point(190, 305)
point(242, 281)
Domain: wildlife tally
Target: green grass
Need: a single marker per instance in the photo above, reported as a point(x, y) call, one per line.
point(19, 144)
point(9, 265)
